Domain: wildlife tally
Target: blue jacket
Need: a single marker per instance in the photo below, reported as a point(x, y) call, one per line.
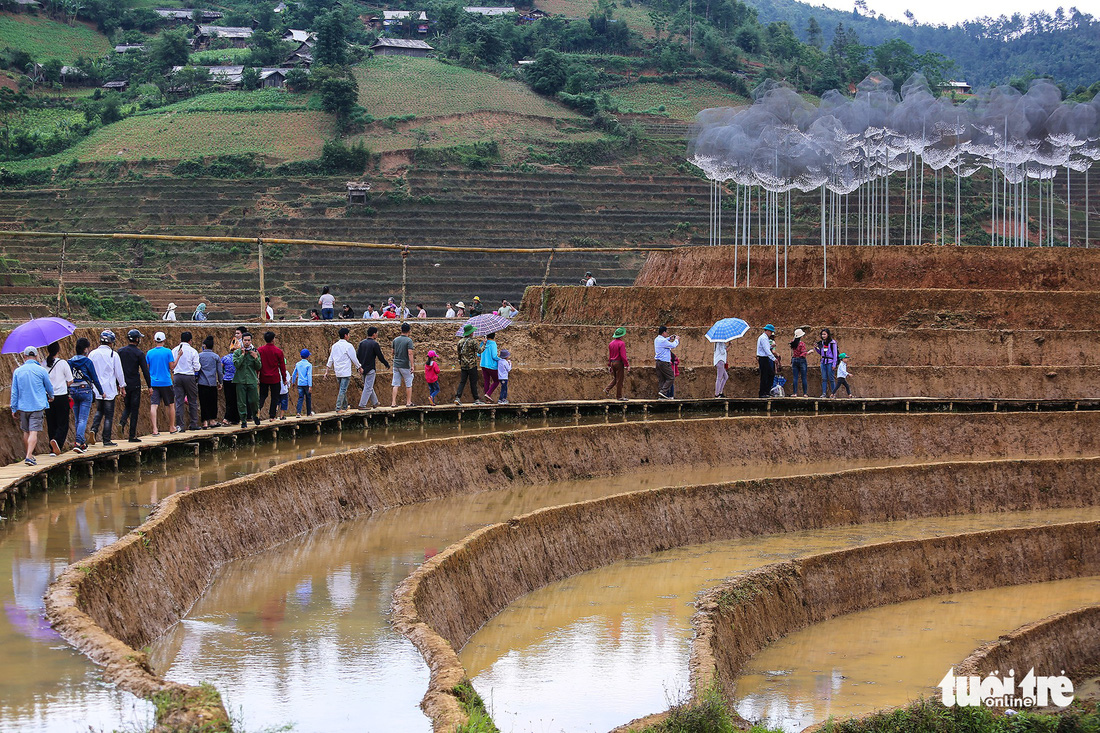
point(84, 373)
point(489, 356)
point(302, 375)
point(30, 388)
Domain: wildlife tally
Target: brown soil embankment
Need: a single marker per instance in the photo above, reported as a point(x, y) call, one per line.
point(453, 594)
point(115, 601)
point(849, 266)
point(841, 307)
point(740, 617)
point(1067, 641)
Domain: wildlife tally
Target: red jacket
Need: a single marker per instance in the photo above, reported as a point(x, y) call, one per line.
point(272, 364)
point(616, 351)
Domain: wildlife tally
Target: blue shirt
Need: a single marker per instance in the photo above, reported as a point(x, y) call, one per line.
point(662, 348)
point(303, 374)
point(30, 388)
point(160, 373)
point(228, 368)
point(489, 356)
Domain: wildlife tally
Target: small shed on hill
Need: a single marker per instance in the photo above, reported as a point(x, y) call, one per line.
point(401, 47)
point(29, 6)
point(117, 85)
point(206, 34)
point(184, 15)
point(357, 192)
point(490, 12)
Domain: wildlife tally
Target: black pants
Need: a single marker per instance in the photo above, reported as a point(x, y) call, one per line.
point(105, 413)
point(666, 378)
point(186, 387)
point(767, 375)
point(208, 403)
point(467, 375)
point(273, 389)
point(840, 382)
point(230, 391)
point(57, 419)
point(131, 406)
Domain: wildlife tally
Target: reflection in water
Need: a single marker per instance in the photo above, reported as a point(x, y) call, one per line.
point(888, 656)
point(599, 649)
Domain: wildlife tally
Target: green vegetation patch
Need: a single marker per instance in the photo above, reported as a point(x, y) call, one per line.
point(47, 39)
point(392, 86)
point(42, 121)
point(480, 720)
point(637, 17)
point(261, 100)
point(220, 57)
point(680, 101)
point(931, 716)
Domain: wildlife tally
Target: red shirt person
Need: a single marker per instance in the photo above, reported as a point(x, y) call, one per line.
point(272, 373)
point(617, 363)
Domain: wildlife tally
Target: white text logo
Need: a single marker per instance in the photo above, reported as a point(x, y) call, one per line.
point(1006, 692)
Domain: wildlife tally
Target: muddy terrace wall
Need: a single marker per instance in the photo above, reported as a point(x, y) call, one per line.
point(850, 307)
point(114, 602)
point(904, 267)
point(1067, 641)
point(740, 617)
point(452, 595)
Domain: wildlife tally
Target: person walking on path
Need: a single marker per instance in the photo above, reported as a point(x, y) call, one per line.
point(246, 378)
point(617, 363)
point(662, 351)
point(368, 354)
point(721, 368)
point(842, 374)
point(160, 362)
point(765, 357)
point(272, 373)
point(468, 352)
point(431, 376)
point(341, 359)
point(799, 369)
point(490, 380)
point(84, 380)
point(504, 373)
point(228, 388)
point(185, 385)
point(588, 280)
point(302, 378)
point(475, 306)
point(31, 394)
point(134, 367)
point(170, 314)
point(403, 347)
point(327, 301)
point(109, 368)
point(269, 312)
point(57, 414)
point(200, 313)
point(826, 348)
point(450, 311)
point(210, 381)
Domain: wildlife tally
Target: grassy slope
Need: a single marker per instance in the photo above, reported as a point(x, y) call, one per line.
point(636, 17)
point(47, 39)
point(682, 101)
point(397, 85)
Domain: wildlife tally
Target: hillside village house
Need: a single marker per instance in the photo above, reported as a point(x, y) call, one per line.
point(207, 34)
point(185, 15)
point(391, 18)
point(401, 47)
point(229, 77)
point(489, 12)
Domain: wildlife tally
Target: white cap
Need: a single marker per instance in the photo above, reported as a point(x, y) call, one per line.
point(171, 306)
point(159, 336)
point(30, 351)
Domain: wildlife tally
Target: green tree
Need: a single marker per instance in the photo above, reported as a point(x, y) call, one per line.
point(339, 95)
point(814, 35)
point(548, 74)
point(268, 49)
point(250, 78)
point(169, 49)
point(331, 48)
point(191, 79)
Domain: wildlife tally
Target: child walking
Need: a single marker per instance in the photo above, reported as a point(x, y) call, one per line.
point(504, 368)
point(842, 375)
point(302, 377)
point(431, 376)
point(284, 395)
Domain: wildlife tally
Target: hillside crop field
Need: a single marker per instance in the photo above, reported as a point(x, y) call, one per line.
point(399, 85)
point(46, 39)
point(261, 100)
point(681, 101)
point(636, 16)
point(41, 121)
point(282, 136)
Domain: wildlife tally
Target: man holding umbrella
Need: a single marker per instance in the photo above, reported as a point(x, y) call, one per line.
point(765, 356)
point(31, 393)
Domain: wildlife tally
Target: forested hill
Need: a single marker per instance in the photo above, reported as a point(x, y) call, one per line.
point(1061, 44)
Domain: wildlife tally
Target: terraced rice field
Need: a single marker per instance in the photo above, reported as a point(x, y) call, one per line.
point(394, 86)
point(281, 136)
point(681, 101)
point(46, 39)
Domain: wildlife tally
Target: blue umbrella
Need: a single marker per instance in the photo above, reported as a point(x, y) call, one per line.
point(37, 333)
point(727, 329)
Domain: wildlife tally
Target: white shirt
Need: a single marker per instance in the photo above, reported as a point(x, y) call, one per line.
point(508, 311)
point(374, 315)
point(841, 370)
point(590, 282)
point(270, 313)
point(341, 358)
point(450, 313)
point(168, 316)
point(662, 348)
point(764, 346)
point(186, 358)
point(328, 300)
point(422, 314)
point(60, 376)
point(108, 367)
point(719, 353)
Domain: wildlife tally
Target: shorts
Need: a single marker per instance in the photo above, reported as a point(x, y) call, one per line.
point(402, 375)
point(162, 393)
point(31, 422)
point(284, 401)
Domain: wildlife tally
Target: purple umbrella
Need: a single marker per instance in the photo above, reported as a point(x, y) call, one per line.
point(37, 333)
point(486, 324)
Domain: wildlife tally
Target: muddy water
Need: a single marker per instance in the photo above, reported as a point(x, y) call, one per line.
point(888, 656)
point(602, 648)
point(44, 684)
